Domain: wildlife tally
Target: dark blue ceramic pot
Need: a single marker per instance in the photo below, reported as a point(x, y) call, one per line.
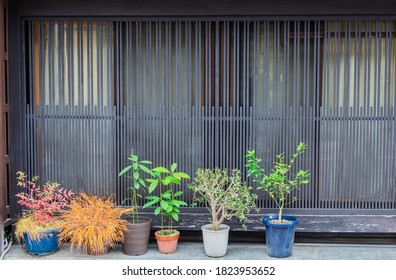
point(46, 244)
point(280, 237)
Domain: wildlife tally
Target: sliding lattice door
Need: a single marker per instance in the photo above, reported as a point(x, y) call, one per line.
point(200, 93)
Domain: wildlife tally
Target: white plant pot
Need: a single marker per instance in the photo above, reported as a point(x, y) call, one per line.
point(215, 242)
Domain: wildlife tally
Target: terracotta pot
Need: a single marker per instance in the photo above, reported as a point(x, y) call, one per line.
point(137, 237)
point(167, 244)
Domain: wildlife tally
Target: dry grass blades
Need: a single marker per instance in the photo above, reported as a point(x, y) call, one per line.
point(93, 224)
point(27, 224)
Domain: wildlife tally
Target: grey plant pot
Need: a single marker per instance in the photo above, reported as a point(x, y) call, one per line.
point(215, 242)
point(137, 237)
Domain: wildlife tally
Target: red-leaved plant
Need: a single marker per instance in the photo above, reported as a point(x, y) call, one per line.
point(42, 202)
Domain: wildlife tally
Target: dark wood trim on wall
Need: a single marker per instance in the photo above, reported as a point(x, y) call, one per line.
point(269, 8)
point(3, 92)
point(16, 95)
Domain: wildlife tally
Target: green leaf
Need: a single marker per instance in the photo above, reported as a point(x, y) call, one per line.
point(170, 202)
point(175, 216)
point(148, 204)
point(152, 186)
point(167, 195)
point(174, 166)
point(169, 209)
point(179, 193)
point(136, 175)
point(164, 204)
point(137, 185)
point(174, 180)
point(157, 210)
point(134, 158)
point(179, 203)
point(153, 197)
point(161, 169)
point(125, 170)
point(168, 191)
point(145, 162)
point(180, 175)
point(167, 181)
point(145, 169)
point(135, 165)
point(175, 202)
point(141, 182)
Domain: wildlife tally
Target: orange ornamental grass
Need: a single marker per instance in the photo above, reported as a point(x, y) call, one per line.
point(93, 224)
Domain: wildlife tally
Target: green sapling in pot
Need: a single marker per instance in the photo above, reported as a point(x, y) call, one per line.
point(277, 184)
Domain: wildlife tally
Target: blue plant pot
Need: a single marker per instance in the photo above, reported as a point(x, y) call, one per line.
point(46, 244)
point(280, 237)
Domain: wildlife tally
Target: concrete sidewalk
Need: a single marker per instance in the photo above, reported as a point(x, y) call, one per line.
point(236, 251)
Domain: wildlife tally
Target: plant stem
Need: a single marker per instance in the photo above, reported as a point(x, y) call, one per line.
point(133, 208)
point(280, 214)
point(162, 211)
point(170, 218)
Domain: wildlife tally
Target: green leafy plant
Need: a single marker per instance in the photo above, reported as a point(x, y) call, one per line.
point(167, 200)
point(224, 194)
point(277, 183)
point(134, 171)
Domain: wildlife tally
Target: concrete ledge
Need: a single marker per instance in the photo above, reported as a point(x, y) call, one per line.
point(236, 251)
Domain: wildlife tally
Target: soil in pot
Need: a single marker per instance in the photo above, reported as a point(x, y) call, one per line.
point(167, 240)
point(215, 241)
point(137, 237)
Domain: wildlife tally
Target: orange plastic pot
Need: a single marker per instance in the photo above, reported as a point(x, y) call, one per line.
point(167, 244)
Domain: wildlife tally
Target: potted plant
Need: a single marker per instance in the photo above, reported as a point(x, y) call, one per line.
point(281, 189)
point(137, 236)
point(92, 223)
point(225, 196)
point(168, 203)
point(39, 226)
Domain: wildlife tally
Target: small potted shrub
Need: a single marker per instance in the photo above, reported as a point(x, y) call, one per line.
point(93, 224)
point(39, 226)
point(226, 196)
point(280, 187)
point(168, 204)
point(137, 236)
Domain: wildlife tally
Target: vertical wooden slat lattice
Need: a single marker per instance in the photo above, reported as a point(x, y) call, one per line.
point(200, 93)
point(71, 113)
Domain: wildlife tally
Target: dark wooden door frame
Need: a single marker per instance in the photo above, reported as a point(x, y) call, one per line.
point(21, 10)
point(208, 8)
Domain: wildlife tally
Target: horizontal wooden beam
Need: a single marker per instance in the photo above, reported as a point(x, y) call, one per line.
point(334, 224)
point(144, 8)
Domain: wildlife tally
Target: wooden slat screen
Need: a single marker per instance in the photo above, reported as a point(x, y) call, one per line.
point(200, 93)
